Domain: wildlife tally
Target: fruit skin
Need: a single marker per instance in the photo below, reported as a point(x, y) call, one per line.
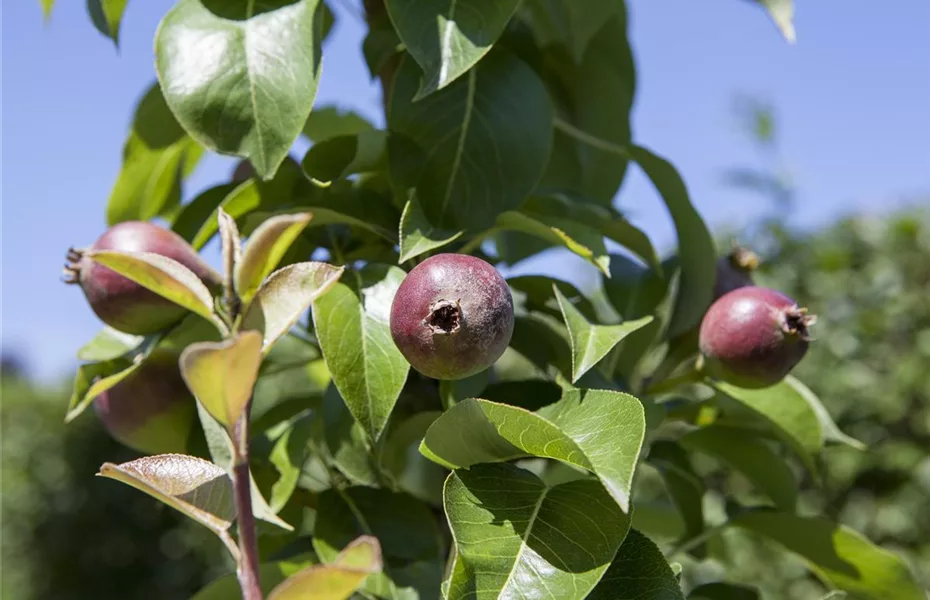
point(121, 303)
point(753, 337)
point(735, 270)
point(150, 411)
point(452, 316)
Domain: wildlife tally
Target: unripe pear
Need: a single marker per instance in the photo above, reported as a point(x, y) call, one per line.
point(120, 302)
point(452, 316)
point(753, 337)
point(151, 411)
point(735, 270)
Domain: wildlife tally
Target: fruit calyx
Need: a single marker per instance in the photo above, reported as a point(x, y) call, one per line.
point(798, 322)
point(72, 273)
point(444, 317)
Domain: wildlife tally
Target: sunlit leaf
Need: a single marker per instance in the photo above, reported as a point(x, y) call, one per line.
point(228, 73)
point(193, 486)
point(838, 555)
point(336, 580)
point(221, 374)
point(786, 412)
point(417, 234)
point(782, 14)
point(405, 528)
point(517, 537)
point(108, 344)
point(831, 432)
point(595, 430)
point(448, 37)
point(285, 295)
point(487, 138)
point(107, 16)
point(162, 275)
point(353, 326)
point(579, 239)
point(265, 248)
point(157, 155)
point(590, 342)
point(270, 575)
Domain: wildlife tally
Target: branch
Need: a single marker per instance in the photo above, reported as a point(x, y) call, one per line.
point(247, 570)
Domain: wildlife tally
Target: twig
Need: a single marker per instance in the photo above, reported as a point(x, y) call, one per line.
point(247, 571)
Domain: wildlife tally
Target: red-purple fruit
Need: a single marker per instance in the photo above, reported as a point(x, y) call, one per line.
point(735, 270)
point(151, 410)
point(754, 336)
point(244, 170)
point(121, 303)
point(452, 316)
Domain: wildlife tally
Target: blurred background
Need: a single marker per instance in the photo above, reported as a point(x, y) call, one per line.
point(816, 155)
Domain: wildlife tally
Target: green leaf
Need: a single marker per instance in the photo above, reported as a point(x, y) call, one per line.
point(265, 248)
point(831, 432)
point(164, 276)
point(638, 572)
point(544, 341)
point(346, 442)
point(405, 528)
point(579, 239)
point(47, 6)
point(838, 555)
point(93, 379)
point(194, 214)
point(106, 16)
point(109, 344)
point(595, 430)
point(327, 122)
point(288, 456)
point(410, 470)
point(516, 537)
point(536, 291)
point(591, 343)
point(782, 14)
point(569, 23)
point(448, 37)
point(228, 72)
point(339, 157)
point(252, 195)
point(605, 220)
point(193, 486)
point(285, 295)
point(270, 574)
point(484, 140)
point(593, 130)
point(231, 252)
point(157, 155)
point(697, 255)
point(723, 591)
point(417, 234)
point(684, 486)
point(221, 375)
point(337, 580)
point(353, 326)
point(343, 204)
point(786, 412)
point(750, 456)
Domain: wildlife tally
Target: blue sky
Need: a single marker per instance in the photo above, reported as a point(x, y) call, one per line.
point(852, 96)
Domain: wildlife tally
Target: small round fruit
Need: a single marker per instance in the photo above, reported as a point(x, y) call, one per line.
point(151, 410)
point(452, 316)
point(754, 336)
point(735, 270)
point(121, 303)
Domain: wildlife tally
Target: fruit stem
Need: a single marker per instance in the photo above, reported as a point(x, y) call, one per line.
point(247, 569)
point(671, 383)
